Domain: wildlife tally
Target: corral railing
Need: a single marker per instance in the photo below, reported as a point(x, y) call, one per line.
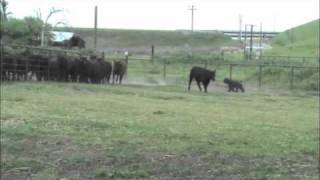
point(289, 59)
point(259, 71)
point(165, 69)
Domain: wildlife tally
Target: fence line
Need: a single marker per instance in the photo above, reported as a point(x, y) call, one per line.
point(44, 68)
point(260, 67)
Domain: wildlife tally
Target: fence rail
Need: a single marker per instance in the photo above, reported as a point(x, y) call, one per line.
point(15, 66)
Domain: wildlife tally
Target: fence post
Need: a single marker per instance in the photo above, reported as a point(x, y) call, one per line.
point(152, 53)
point(230, 71)
point(291, 79)
point(48, 70)
point(27, 69)
point(164, 69)
point(260, 75)
point(127, 62)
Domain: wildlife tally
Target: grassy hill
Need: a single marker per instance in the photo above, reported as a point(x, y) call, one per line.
point(299, 41)
point(165, 42)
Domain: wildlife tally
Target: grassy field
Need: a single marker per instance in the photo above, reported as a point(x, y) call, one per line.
point(299, 41)
point(81, 131)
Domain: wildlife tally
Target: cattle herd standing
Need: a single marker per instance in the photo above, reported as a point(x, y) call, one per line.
point(93, 69)
point(27, 66)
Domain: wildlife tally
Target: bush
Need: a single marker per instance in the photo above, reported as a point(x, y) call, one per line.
point(23, 31)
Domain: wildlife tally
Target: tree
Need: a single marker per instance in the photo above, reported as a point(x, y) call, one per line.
point(25, 30)
point(45, 25)
point(3, 10)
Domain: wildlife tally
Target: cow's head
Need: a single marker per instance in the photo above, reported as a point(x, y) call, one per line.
point(226, 80)
point(213, 75)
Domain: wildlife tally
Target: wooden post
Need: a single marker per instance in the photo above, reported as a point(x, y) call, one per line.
point(292, 77)
point(230, 71)
point(205, 64)
point(152, 53)
point(260, 75)
point(48, 70)
point(27, 69)
point(164, 68)
point(127, 62)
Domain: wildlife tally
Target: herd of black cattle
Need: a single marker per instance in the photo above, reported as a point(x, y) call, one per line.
point(91, 69)
point(61, 68)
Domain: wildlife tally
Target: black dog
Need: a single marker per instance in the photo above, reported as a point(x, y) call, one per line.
point(201, 75)
point(233, 85)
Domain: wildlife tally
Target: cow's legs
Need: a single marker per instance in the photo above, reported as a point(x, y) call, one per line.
point(120, 78)
point(205, 85)
point(230, 88)
point(198, 82)
point(190, 81)
point(113, 78)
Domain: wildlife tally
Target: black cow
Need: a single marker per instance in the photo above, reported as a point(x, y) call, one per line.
point(233, 85)
point(53, 68)
point(108, 70)
point(74, 41)
point(119, 69)
point(201, 75)
point(39, 66)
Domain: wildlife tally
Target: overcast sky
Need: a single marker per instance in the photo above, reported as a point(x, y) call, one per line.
point(275, 15)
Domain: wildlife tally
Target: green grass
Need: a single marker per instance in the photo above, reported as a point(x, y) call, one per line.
point(139, 42)
point(299, 41)
point(86, 131)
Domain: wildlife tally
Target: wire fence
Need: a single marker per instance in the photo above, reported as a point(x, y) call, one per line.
point(268, 71)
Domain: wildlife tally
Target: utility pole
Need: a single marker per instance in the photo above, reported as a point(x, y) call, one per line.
point(240, 27)
point(192, 11)
point(260, 41)
point(95, 26)
point(245, 42)
point(251, 38)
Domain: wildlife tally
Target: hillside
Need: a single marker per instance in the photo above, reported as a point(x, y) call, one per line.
point(299, 41)
point(140, 41)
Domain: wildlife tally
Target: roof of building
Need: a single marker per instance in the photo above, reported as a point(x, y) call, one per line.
point(59, 36)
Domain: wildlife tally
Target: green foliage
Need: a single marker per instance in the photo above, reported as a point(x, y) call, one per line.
point(25, 30)
point(4, 10)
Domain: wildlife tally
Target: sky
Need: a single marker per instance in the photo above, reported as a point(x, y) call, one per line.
point(275, 15)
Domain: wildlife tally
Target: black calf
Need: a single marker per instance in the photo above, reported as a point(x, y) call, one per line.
point(233, 85)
